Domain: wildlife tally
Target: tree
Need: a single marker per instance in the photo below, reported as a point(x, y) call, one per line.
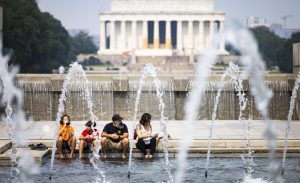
point(36, 40)
point(232, 50)
point(269, 44)
point(285, 55)
point(83, 43)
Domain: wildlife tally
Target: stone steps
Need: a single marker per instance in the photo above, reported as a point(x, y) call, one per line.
point(198, 148)
point(228, 143)
point(37, 155)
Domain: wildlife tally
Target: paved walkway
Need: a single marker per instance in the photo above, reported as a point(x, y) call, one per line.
point(223, 130)
point(228, 138)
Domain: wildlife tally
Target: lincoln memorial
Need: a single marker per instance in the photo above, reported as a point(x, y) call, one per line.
point(159, 27)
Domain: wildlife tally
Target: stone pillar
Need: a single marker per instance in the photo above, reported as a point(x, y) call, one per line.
point(211, 33)
point(296, 71)
point(102, 36)
point(190, 42)
point(168, 35)
point(190, 35)
point(145, 34)
point(133, 35)
point(179, 35)
point(222, 43)
point(201, 35)
point(112, 35)
point(296, 58)
point(123, 35)
point(156, 35)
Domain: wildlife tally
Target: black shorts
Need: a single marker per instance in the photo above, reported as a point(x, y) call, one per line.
point(65, 145)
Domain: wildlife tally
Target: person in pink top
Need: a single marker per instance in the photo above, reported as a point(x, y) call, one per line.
point(88, 138)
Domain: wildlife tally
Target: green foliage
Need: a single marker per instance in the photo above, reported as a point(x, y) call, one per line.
point(84, 44)
point(92, 61)
point(232, 50)
point(276, 51)
point(37, 41)
point(285, 55)
point(269, 44)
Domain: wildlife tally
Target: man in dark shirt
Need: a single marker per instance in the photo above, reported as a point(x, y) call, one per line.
point(115, 136)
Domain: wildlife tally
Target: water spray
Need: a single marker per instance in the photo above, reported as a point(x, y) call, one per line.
point(290, 115)
point(150, 70)
point(76, 74)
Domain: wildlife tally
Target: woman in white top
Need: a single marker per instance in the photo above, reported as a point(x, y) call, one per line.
point(146, 139)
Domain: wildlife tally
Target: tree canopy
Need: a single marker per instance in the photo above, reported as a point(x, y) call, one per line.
point(285, 55)
point(36, 40)
point(83, 43)
point(276, 51)
point(269, 44)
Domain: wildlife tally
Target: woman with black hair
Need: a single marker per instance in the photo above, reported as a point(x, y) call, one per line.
point(146, 139)
point(66, 138)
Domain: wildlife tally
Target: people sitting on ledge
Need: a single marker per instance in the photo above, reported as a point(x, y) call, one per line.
point(88, 138)
point(146, 139)
point(115, 136)
point(66, 138)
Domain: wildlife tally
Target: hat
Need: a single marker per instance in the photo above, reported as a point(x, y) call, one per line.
point(117, 117)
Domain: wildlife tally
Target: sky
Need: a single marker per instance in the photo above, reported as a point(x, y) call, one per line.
point(84, 14)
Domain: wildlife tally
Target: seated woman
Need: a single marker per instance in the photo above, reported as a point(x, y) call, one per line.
point(66, 136)
point(88, 138)
point(146, 139)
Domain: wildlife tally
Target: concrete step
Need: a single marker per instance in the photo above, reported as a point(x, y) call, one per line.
point(37, 155)
point(199, 147)
point(4, 145)
point(228, 143)
point(199, 152)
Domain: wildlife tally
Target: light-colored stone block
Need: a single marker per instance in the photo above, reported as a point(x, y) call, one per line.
point(38, 156)
point(162, 5)
point(296, 55)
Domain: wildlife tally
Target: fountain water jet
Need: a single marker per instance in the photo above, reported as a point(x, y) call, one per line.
point(193, 103)
point(254, 65)
point(242, 40)
point(290, 115)
point(149, 69)
point(232, 72)
point(12, 98)
point(76, 74)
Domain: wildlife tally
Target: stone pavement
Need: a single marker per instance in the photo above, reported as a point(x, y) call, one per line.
point(228, 136)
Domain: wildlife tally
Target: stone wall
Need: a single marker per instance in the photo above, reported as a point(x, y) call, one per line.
point(117, 94)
